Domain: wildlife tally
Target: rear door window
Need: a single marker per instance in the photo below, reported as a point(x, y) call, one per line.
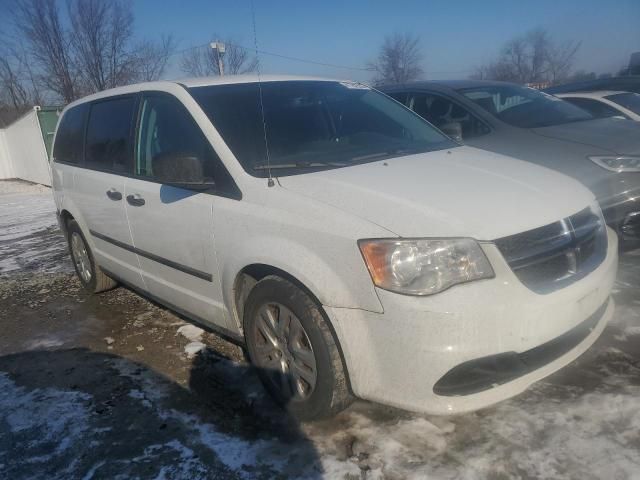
point(69, 139)
point(108, 143)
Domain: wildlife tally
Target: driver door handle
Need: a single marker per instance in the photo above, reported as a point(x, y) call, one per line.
point(136, 200)
point(113, 194)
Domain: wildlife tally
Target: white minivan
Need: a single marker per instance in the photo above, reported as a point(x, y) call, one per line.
point(350, 246)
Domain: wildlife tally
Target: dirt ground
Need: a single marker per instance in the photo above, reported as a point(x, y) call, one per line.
point(113, 386)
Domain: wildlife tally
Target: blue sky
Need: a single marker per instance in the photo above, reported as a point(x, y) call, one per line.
point(455, 35)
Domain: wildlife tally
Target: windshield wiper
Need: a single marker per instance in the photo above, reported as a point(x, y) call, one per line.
point(276, 166)
point(389, 153)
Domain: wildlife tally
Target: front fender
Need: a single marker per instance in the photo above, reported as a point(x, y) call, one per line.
point(336, 276)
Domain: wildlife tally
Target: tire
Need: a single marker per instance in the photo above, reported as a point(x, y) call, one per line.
point(271, 311)
point(92, 278)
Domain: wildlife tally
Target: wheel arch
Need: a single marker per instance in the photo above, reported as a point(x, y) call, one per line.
point(251, 274)
point(65, 217)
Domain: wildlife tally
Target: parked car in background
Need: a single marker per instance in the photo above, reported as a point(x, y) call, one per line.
point(627, 83)
point(604, 103)
point(349, 245)
point(604, 154)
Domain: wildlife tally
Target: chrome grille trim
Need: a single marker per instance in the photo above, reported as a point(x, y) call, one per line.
point(554, 256)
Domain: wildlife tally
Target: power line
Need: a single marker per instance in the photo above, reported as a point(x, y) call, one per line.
point(304, 60)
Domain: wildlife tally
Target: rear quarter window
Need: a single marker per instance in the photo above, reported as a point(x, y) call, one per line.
point(68, 147)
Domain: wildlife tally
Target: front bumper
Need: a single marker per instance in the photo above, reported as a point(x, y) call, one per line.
point(398, 357)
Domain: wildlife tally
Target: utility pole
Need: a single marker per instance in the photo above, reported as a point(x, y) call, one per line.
point(219, 48)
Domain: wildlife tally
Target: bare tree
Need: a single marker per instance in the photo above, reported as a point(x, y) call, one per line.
point(92, 51)
point(560, 60)
point(151, 58)
point(12, 87)
point(495, 71)
point(203, 61)
point(514, 63)
point(539, 43)
point(100, 36)
point(532, 57)
point(398, 60)
point(38, 22)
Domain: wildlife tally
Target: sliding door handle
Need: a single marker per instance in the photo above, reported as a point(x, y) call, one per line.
point(113, 194)
point(135, 200)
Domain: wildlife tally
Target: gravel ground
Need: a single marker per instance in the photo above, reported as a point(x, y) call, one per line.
point(113, 386)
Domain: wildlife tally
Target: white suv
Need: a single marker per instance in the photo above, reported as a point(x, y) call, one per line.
point(349, 245)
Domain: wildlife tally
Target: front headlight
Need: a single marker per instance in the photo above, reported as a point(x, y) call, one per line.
point(618, 164)
point(424, 266)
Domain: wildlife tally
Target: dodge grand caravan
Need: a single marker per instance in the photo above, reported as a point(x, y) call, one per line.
point(353, 249)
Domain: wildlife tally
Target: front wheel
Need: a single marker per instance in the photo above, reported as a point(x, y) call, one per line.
point(291, 345)
point(92, 278)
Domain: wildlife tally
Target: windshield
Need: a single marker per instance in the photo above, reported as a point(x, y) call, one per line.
point(630, 101)
point(313, 125)
point(525, 107)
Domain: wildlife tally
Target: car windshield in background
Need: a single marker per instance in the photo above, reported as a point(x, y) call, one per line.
point(525, 107)
point(628, 100)
point(313, 125)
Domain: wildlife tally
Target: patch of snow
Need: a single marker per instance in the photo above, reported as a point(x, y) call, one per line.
point(29, 234)
point(187, 467)
point(43, 420)
point(191, 332)
point(139, 395)
point(635, 330)
point(242, 456)
point(192, 348)
point(18, 186)
point(44, 342)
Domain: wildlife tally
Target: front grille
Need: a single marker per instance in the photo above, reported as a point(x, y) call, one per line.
point(555, 255)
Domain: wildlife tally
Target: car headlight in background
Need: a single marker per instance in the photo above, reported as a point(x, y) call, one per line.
point(424, 266)
point(617, 163)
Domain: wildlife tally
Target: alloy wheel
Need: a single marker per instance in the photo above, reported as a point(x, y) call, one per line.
point(283, 349)
point(81, 257)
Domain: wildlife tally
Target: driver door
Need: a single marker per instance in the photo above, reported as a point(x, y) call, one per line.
point(172, 228)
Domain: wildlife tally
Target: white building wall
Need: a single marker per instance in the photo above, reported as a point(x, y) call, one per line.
point(27, 153)
point(6, 167)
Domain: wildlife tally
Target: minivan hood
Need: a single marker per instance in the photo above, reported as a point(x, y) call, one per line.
point(616, 135)
point(461, 192)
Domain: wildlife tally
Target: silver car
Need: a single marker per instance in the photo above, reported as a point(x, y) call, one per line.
point(604, 154)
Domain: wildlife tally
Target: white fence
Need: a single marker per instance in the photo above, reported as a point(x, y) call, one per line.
point(6, 167)
point(22, 151)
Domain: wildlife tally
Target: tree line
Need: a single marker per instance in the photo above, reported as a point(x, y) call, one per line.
point(56, 53)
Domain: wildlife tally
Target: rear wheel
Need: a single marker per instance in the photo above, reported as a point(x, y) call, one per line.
point(291, 345)
point(92, 278)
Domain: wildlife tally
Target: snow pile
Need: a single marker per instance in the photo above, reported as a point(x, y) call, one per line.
point(194, 334)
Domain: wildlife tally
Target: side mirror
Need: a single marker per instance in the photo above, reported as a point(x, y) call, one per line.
point(179, 169)
point(453, 129)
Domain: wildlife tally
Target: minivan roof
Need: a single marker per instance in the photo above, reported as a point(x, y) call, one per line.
point(196, 82)
point(229, 79)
